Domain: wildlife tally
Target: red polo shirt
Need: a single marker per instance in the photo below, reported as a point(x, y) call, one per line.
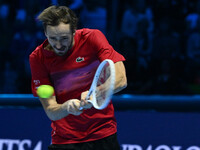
point(70, 75)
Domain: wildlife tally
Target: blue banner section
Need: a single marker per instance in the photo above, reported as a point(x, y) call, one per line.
point(150, 130)
point(28, 128)
point(24, 129)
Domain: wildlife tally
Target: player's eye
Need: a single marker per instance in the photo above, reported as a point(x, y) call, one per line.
point(65, 38)
point(52, 38)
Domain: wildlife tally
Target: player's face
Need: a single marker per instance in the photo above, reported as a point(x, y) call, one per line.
point(60, 38)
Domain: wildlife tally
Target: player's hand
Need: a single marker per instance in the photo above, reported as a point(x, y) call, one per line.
point(84, 103)
point(73, 106)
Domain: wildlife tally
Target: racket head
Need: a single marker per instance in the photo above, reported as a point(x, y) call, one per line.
point(103, 84)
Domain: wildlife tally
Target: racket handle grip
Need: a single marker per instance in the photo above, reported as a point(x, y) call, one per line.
point(89, 94)
point(87, 98)
point(81, 107)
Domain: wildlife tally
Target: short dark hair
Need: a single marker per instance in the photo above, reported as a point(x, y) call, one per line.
point(54, 15)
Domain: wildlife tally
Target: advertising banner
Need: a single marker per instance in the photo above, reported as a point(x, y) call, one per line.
point(24, 129)
point(29, 129)
point(150, 130)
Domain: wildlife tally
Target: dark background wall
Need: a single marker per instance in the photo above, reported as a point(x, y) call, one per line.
point(159, 38)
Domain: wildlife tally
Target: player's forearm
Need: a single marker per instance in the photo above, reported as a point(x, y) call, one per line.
point(120, 83)
point(120, 77)
point(56, 111)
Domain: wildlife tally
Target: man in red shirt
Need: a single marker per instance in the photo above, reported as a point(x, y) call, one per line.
point(67, 60)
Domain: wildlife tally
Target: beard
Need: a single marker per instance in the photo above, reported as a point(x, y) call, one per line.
point(63, 50)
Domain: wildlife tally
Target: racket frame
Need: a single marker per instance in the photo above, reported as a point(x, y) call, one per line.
point(94, 85)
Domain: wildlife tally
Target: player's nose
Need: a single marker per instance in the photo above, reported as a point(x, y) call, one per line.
point(58, 45)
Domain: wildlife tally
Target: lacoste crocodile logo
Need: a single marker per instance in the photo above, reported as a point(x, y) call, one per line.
point(79, 59)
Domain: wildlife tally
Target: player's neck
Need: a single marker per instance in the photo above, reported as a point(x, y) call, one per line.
point(48, 47)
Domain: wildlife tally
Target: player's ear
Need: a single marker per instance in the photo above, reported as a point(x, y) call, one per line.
point(45, 33)
point(73, 31)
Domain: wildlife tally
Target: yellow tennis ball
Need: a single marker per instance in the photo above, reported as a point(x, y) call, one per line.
point(45, 91)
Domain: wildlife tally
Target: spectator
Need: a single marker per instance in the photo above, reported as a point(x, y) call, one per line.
point(10, 76)
point(136, 39)
point(192, 16)
point(193, 44)
point(93, 15)
point(6, 26)
point(21, 46)
point(166, 43)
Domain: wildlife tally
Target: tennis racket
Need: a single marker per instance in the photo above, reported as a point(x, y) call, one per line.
point(102, 86)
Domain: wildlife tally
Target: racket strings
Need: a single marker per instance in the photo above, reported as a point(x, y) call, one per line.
point(103, 85)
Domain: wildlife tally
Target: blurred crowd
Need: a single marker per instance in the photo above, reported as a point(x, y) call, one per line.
point(160, 40)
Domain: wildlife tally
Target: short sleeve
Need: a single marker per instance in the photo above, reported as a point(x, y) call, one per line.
point(104, 49)
point(39, 73)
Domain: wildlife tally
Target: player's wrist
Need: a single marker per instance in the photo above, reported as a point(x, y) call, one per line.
point(72, 107)
point(65, 108)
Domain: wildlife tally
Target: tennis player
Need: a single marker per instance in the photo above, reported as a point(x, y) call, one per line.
point(67, 60)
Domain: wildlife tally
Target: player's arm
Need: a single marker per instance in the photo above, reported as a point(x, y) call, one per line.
point(53, 110)
point(120, 77)
point(57, 111)
point(120, 83)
